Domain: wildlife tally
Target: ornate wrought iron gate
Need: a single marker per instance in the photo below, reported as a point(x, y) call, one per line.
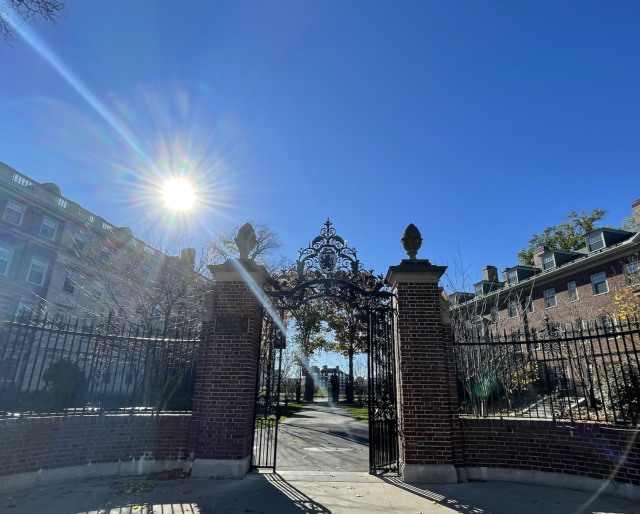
point(267, 409)
point(383, 420)
point(329, 269)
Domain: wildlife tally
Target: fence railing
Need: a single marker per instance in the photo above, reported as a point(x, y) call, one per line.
point(589, 372)
point(57, 365)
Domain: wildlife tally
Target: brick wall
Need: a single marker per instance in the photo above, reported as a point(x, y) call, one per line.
point(425, 376)
point(54, 442)
point(225, 391)
point(582, 449)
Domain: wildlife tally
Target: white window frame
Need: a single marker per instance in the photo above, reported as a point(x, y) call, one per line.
point(514, 275)
point(593, 284)
point(6, 269)
point(548, 259)
point(546, 298)
point(478, 289)
point(78, 237)
point(55, 227)
point(596, 239)
point(575, 289)
point(44, 273)
point(72, 276)
point(635, 266)
point(529, 304)
point(510, 304)
point(6, 209)
point(495, 314)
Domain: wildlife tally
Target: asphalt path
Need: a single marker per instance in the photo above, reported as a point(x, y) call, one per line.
point(323, 437)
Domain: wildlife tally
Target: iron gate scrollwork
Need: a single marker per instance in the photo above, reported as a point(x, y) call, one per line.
point(329, 269)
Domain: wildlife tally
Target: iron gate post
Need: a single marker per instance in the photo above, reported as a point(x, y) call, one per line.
point(228, 355)
point(427, 402)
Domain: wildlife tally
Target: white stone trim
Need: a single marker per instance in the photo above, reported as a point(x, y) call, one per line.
point(596, 485)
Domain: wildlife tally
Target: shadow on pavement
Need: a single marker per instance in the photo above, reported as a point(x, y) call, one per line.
point(298, 498)
point(340, 434)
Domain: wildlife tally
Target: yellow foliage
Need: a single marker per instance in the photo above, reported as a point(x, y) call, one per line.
point(626, 302)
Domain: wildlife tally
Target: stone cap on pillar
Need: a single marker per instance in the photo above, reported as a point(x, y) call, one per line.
point(240, 270)
point(414, 270)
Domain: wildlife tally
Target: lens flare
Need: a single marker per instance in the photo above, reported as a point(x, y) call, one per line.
point(178, 194)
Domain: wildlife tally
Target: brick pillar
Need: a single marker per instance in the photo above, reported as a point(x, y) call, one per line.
point(427, 401)
point(224, 397)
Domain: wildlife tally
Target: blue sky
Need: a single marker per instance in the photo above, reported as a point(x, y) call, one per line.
point(480, 122)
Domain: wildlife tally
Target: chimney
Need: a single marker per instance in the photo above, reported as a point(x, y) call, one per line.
point(188, 256)
point(490, 273)
point(537, 256)
point(635, 206)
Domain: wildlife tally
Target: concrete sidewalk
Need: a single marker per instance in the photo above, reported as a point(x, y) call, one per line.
point(347, 493)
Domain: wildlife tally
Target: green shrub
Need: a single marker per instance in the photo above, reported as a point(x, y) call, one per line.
point(620, 392)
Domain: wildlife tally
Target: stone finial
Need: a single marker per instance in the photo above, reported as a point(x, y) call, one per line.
point(246, 240)
point(411, 240)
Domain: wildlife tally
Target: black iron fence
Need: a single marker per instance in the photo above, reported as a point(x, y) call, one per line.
point(585, 372)
point(57, 365)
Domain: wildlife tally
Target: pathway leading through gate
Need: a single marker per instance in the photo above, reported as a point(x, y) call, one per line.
point(323, 438)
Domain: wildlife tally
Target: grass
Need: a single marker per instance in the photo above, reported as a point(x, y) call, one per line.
point(358, 411)
point(289, 410)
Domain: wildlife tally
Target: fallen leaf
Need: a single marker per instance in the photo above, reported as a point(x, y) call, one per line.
point(358, 495)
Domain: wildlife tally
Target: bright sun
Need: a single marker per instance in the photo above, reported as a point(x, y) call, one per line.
point(178, 194)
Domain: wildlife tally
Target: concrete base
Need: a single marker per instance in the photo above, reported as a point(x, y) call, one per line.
point(221, 468)
point(429, 474)
point(105, 469)
point(609, 487)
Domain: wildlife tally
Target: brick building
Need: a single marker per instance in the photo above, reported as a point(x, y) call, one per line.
point(54, 253)
point(323, 377)
point(563, 289)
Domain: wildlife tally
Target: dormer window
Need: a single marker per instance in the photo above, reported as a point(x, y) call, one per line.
point(512, 277)
point(548, 262)
point(478, 289)
point(595, 242)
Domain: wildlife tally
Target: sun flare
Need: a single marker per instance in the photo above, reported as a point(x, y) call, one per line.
point(178, 194)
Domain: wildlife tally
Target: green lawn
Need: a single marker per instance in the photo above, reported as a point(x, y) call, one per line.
point(361, 413)
point(289, 410)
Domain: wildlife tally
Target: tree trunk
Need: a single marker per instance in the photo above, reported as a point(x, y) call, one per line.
point(309, 386)
point(349, 385)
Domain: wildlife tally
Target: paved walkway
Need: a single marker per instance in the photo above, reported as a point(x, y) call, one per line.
point(322, 437)
point(272, 494)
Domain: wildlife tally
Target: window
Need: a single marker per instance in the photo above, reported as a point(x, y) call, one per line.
point(495, 315)
point(606, 323)
point(14, 212)
point(37, 271)
point(69, 283)
point(48, 228)
point(595, 242)
point(529, 303)
point(512, 309)
point(146, 271)
point(149, 250)
point(548, 262)
point(104, 254)
point(477, 330)
point(512, 277)
point(78, 242)
point(5, 259)
point(573, 292)
point(599, 284)
point(478, 289)
point(632, 272)
point(550, 298)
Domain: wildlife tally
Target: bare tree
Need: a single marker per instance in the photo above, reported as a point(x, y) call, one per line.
point(26, 11)
point(222, 247)
point(141, 284)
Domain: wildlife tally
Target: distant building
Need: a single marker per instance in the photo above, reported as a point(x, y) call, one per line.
point(49, 246)
point(562, 290)
point(324, 377)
